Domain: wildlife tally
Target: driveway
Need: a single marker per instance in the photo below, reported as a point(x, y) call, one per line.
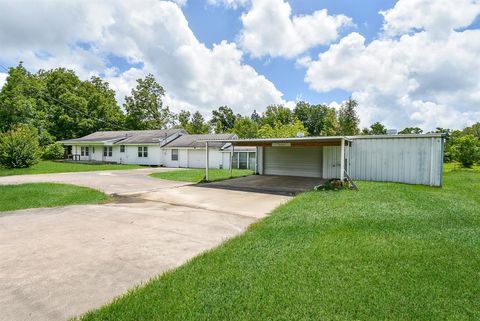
point(57, 263)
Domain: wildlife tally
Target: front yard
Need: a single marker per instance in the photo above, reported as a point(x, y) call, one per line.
point(198, 175)
point(45, 167)
point(16, 197)
point(387, 252)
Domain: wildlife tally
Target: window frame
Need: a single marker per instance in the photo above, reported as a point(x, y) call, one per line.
point(122, 148)
point(174, 154)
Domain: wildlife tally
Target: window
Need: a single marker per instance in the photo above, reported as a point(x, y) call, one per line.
point(174, 154)
point(142, 151)
point(84, 151)
point(93, 150)
point(242, 160)
point(107, 151)
point(122, 148)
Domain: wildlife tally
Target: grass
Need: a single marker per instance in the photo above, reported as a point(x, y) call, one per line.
point(386, 252)
point(16, 197)
point(198, 175)
point(45, 167)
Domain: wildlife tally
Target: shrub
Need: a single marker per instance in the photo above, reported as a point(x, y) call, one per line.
point(53, 151)
point(466, 150)
point(19, 147)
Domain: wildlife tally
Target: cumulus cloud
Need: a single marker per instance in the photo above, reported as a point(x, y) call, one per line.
point(270, 29)
point(3, 78)
point(84, 35)
point(233, 4)
point(417, 78)
point(436, 16)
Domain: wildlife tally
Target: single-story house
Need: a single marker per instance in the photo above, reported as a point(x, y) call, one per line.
point(413, 159)
point(170, 148)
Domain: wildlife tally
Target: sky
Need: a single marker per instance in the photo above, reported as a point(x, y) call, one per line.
point(407, 62)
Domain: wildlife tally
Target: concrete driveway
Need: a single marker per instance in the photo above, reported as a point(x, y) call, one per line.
point(57, 263)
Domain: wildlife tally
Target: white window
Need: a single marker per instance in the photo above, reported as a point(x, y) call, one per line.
point(84, 151)
point(174, 154)
point(122, 148)
point(107, 151)
point(142, 151)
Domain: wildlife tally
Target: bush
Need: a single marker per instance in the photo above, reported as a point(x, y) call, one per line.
point(53, 151)
point(19, 147)
point(466, 150)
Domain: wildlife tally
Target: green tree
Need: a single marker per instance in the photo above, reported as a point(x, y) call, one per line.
point(277, 114)
point(144, 107)
point(53, 151)
point(19, 147)
point(184, 118)
point(411, 130)
point(466, 150)
point(473, 130)
point(197, 125)
point(282, 130)
point(255, 116)
point(245, 127)
point(317, 119)
point(225, 116)
point(18, 101)
point(378, 129)
point(348, 119)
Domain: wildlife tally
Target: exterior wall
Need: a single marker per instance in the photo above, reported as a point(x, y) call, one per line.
point(192, 158)
point(130, 156)
point(404, 160)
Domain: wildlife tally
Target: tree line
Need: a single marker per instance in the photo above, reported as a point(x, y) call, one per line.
point(58, 105)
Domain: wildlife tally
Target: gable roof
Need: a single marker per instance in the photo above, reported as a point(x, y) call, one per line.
point(199, 140)
point(122, 137)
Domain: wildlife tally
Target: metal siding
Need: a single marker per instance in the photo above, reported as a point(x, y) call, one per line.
point(405, 160)
point(293, 161)
point(331, 162)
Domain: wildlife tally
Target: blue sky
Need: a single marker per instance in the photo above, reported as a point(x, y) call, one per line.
point(407, 62)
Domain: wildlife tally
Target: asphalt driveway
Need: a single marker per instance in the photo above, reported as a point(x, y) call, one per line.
point(56, 263)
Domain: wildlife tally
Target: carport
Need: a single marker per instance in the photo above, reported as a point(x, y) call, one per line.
point(312, 157)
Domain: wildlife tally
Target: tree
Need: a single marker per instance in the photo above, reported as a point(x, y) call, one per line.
point(17, 98)
point(245, 128)
point(19, 147)
point(378, 129)
point(466, 150)
point(317, 119)
point(184, 118)
point(144, 106)
point(277, 114)
point(473, 130)
point(53, 151)
point(197, 125)
point(348, 119)
point(255, 116)
point(282, 130)
point(225, 116)
point(411, 130)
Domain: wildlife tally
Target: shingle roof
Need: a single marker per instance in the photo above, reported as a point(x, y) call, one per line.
point(122, 137)
point(193, 140)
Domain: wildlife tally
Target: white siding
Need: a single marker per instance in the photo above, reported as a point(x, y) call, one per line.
point(192, 158)
point(404, 160)
point(293, 161)
point(131, 155)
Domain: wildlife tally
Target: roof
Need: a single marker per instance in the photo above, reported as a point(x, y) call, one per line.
point(122, 137)
point(217, 140)
point(314, 140)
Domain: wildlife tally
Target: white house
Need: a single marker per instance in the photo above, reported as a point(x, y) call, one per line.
point(169, 148)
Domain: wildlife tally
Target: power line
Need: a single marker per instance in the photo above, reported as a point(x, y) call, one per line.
point(70, 107)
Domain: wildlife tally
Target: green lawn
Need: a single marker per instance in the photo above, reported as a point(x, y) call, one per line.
point(385, 252)
point(45, 167)
point(197, 175)
point(16, 197)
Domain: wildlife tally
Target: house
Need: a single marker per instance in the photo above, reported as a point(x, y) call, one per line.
point(169, 148)
point(413, 159)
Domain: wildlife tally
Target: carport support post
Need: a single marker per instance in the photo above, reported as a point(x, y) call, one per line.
point(231, 160)
point(342, 160)
point(206, 161)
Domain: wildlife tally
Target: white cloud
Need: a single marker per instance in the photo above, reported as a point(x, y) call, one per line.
point(3, 79)
point(82, 35)
point(234, 4)
point(438, 17)
point(415, 79)
point(270, 29)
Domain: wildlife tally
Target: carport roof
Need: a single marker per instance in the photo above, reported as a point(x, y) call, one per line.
point(313, 140)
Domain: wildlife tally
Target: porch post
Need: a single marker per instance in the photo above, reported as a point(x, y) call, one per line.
point(206, 161)
point(342, 160)
point(231, 160)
